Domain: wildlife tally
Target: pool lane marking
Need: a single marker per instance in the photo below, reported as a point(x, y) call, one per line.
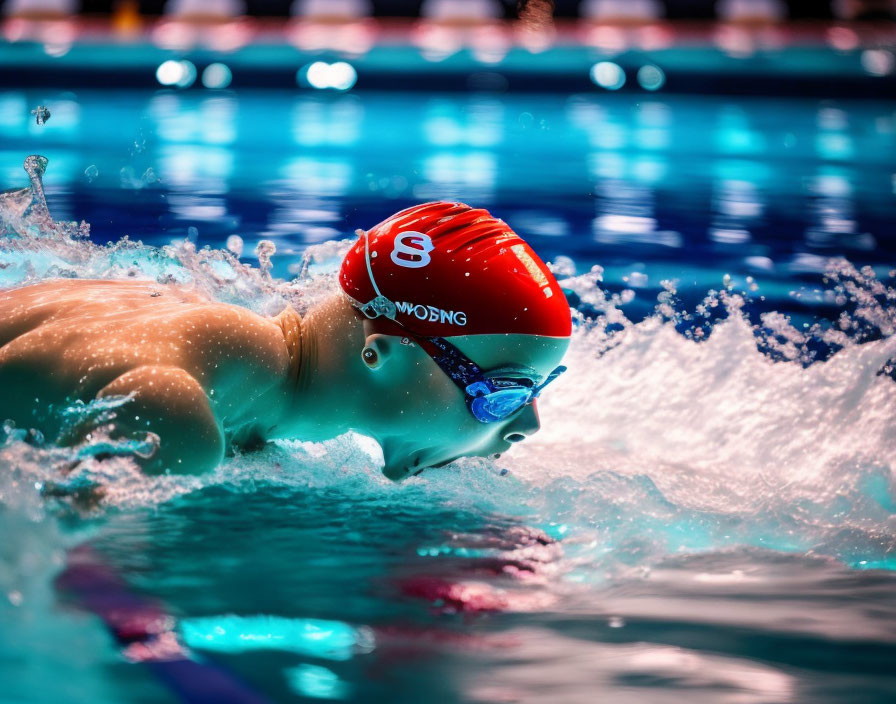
point(145, 631)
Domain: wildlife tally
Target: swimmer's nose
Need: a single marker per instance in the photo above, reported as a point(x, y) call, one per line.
point(524, 425)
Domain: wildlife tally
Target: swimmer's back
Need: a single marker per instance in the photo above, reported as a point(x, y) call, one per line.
point(24, 309)
point(78, 339)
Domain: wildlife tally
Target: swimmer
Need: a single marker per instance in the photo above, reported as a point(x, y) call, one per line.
point(446, 329)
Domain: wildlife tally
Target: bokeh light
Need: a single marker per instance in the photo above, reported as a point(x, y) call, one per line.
point(216, 76)
point(340, 75)
point(651, 77)
point(176, 73)
point(608, 75)
point(878, 62)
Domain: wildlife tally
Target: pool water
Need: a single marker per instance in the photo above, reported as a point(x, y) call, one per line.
point(707, 513)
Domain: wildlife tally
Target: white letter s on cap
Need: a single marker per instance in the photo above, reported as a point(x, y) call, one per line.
point(411, 245)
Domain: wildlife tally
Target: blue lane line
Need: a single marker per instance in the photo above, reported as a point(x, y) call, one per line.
point(145, 631)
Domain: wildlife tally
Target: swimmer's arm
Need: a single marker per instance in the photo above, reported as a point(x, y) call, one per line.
point(172, 404)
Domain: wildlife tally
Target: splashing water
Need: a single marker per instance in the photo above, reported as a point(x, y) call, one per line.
point(265, 250)
point(658, 440)
point(24, 212)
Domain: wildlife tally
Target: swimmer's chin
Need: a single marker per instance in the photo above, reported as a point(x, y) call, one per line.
point(399, 471)
point(396, 472)
point(401, 464)
point(399, 468)
point(410, 467)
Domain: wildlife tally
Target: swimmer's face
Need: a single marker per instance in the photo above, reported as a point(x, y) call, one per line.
point(421, 418)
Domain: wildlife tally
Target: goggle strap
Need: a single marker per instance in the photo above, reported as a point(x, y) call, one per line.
point(553, 375)
point(450, 360)
point(379, 305)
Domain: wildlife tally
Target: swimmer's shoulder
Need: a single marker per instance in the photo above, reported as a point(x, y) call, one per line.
point(207, 332)
point(238, 350)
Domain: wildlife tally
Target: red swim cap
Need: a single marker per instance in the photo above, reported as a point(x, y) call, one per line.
point(442, 269)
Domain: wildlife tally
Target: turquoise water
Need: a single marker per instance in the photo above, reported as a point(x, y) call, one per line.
point(707, 513)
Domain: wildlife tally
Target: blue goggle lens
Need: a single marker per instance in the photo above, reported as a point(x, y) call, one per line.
point(498, 405)
point(495, 399)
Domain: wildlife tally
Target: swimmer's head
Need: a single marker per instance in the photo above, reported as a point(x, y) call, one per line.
point(463, 325)
point(448, 269)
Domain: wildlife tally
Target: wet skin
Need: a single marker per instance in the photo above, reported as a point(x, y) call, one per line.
point(206, 377)
point(197, 369)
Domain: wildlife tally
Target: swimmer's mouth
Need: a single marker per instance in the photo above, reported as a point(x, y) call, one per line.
point(419, 471)
point(429, 466)
point(441, 464)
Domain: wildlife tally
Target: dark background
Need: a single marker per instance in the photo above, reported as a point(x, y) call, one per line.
point(674, 9)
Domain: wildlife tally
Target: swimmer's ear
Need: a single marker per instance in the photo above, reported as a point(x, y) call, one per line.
point(377, 350)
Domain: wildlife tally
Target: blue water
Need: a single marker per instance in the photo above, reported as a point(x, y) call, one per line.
point(708, 512)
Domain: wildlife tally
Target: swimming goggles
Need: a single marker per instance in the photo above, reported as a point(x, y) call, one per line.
point(489, 398)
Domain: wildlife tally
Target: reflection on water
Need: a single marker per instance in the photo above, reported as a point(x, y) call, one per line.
point(548, 667)
point(335, 123)
point(735, 205)
point(329, 640)
point(449, 123)
point(692, 173)
point(377, 593)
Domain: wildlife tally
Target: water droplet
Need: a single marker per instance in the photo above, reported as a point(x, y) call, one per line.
point(41, 114)
point(265, 249)
point(235, 245)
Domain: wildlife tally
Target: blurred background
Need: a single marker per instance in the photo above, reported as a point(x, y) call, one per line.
point(497, 34)
point(493, 9)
